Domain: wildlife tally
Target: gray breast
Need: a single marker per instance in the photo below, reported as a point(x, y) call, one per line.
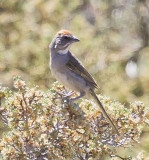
point(58, 61)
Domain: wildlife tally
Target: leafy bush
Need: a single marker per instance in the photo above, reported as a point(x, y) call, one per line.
point(44, 125)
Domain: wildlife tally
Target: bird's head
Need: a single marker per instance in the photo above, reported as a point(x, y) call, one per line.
point(63, 40)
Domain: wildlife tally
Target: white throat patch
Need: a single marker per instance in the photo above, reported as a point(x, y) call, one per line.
point(63, 51)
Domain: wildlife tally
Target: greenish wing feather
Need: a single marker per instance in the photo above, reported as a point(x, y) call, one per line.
point(74, 65)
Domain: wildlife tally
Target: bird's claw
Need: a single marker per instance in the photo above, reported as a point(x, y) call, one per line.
point(64, 94)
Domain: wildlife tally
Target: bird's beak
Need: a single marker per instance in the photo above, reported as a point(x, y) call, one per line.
point(75, 39)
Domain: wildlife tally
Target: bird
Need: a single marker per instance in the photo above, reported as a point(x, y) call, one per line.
point(69, 71)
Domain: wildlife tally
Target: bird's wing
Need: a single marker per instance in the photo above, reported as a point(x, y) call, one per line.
point(75, 66)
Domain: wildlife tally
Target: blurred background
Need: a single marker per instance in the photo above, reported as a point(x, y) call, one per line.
point(114, 44)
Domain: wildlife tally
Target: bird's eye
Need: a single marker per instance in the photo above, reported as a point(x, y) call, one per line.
point(66, 37)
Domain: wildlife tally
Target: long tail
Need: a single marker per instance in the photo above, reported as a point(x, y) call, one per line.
point(103, 111)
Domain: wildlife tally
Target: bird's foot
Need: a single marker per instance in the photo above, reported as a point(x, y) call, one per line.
point(66, 96)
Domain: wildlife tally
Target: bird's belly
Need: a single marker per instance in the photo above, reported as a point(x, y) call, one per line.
point(71, 80)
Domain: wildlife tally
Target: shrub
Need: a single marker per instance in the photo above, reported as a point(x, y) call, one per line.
point(45, 126)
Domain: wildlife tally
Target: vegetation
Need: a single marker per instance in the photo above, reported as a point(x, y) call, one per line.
point(114, 48)
point(44, 125)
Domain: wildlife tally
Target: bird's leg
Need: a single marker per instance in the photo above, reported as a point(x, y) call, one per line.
point(82, 94)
